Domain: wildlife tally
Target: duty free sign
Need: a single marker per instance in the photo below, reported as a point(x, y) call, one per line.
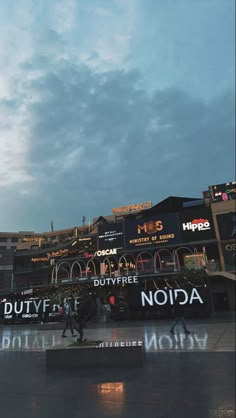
point(33, 308)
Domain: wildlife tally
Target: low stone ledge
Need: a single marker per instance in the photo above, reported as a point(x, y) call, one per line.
point(88, 356)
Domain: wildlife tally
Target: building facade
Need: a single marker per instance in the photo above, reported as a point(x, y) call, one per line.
point(178, 243)
point(17, 242)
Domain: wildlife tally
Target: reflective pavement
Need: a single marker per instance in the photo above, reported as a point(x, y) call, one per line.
point(155, 335)
point(183, 376)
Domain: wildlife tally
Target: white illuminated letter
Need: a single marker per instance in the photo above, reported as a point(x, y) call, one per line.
point(148, 299)
point(176, 291)
point(6, 311)
point(21, 308)
point(165, 297)
point(45, 304)
point(135, 279)
point(77, 302)
point(37, 306)
point(171, 297)
point(198, 297)
point(27, 302)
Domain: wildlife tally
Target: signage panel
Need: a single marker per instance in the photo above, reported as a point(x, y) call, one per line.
point(229, 254)
point(132, 208)
point(227, 225)
point(196, 225)
point(168, 297)
point(223, 192)
point(158, 230)
point(111, 236)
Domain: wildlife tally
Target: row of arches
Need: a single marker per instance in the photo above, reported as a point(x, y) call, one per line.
point(143, 262)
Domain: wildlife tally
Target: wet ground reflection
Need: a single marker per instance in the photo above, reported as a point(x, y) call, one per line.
point(213, 337)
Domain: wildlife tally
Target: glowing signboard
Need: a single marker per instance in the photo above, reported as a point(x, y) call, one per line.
point(132, 208)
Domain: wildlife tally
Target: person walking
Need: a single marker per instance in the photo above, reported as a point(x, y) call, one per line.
point(99, 305)
point(179, 316)
point(83, 315)
point(68, 314)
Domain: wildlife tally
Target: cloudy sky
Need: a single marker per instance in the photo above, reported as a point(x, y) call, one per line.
point(105, 103)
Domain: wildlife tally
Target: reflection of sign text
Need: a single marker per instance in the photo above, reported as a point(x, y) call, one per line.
point(108, 344)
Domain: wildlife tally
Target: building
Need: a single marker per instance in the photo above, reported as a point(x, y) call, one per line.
point(12, 242)
point(181, 242)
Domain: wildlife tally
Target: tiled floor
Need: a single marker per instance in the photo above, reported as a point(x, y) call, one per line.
point(183, 377)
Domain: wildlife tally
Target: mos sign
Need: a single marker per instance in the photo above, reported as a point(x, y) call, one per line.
point(158, 230)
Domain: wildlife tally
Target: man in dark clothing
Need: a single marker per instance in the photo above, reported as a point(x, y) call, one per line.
point(69, 319)
point(179, 316)
point(84, 313)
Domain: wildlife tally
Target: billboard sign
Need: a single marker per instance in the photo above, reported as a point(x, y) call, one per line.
point(196, 225)
point(158, 230)
point(162, 297)
point(132, 208)
point(223, 192)
point(227, 225)
point(111, 236)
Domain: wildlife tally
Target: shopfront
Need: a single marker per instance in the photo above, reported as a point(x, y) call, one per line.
point(129, 297)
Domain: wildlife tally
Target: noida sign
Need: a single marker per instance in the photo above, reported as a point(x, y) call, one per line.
point(34, 308)
point(164, 297)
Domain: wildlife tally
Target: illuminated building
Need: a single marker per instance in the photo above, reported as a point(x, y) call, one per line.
point(177, 239)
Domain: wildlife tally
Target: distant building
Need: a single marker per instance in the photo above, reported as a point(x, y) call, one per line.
point(28, 240)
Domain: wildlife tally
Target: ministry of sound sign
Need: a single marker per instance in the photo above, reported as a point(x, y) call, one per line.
point(158, 230)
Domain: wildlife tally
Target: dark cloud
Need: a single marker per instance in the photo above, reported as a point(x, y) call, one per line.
point(98, 141)
point(80, 135)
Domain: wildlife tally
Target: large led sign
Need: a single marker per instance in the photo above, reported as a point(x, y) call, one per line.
point(196, 224)
point(157, 230)
point(110, 236)
point(223, 192)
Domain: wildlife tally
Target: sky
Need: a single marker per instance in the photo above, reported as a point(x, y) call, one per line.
point(105, 103)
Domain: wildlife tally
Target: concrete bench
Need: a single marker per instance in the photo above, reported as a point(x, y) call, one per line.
point(87, 356)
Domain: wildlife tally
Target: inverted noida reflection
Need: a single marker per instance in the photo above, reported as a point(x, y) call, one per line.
point(152, 341)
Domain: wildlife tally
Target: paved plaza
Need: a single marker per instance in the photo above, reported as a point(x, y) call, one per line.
point(190, 376)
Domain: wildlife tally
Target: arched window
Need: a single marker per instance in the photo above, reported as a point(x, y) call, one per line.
point(126, 264)
point(145, 262)
point(166, 260)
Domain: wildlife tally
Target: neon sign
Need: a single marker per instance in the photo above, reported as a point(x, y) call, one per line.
point(33, 239)
point(132, 208)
